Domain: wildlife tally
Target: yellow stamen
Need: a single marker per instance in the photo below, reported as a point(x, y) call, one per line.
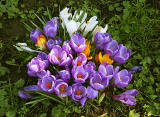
point(41, 42)
point(88, 22)
point(99, 28)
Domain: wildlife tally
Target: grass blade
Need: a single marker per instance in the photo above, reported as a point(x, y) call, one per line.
point(27, 27)
point(35, 101)
point(36, 26)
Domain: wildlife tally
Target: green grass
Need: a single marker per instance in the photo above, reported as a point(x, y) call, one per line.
point(136, 24)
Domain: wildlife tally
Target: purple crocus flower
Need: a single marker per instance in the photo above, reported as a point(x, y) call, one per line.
point(91, 93)
point(101, 39)
point(65, 75)
point(59, 56)
point(51, 43)
point(122, 55)
point(44, 58)
point(66, 46)
point(106, 70)
point(97, 82)
point(90, 68)
point(50, 29)
point(36, 66)
point(62, 88)
point(122, 78)
point(78, 42)
point(79, 93)
point(127, 97)
point(80, 60)
point(47, 83)
point(135, 68)
point(111, 48)
point(43, 73)
point(34, 35)
point(24, 95)
point(80, 75)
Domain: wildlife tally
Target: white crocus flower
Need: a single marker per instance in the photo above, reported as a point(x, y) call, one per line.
point(99, 29)
point(76, 16)
point(72, 26)
point(90, 25)
point(24, 47)
point(64, 15)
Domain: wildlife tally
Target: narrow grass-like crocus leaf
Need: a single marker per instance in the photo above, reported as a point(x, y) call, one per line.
point(41, 20)
point(36, 26)
point(49, 14)
point(93, 105)
point(35, 101)
point(49, 96)
point(27, 27)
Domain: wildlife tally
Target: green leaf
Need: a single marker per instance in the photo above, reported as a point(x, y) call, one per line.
point(158, 60)
point(132, 113)
point(3, 70)
point(41, 20)
point(0, 25)
point(43, 115)
point(111, 8)
point(19, 83)
point(148, 60)
point(119, 9)
point(57, 111)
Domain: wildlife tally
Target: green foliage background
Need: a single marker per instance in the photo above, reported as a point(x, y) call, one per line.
point(134, 23)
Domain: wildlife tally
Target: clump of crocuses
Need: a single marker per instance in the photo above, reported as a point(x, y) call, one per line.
point(64, 68)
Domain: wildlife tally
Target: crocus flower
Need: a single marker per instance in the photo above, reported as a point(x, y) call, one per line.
point(41, 42)
point(127, 97)
point(24, 95)
point(44, 58)
point(77, 16)
point(62, 88)
point(67, 47)
point(59, 56)
point(122, 78)
point(89, 26)
point(122, 55)
point(135, 68)
point(90, 68)
point(104, 58)
point(50, 29)
point(64, 14)
point(35, 34)
point(106, 70)
point(80, 75)
point(86, 51)
point(47, 83)
point(78, 42)
point(51, 43)
point(80, 60)
point(72, 26)
point(36, 66)
point(91, 93)
point(43, 73)
point(64, 75)
point(24, 47)
point(111, 48)
point(97, 82)
point(79, 93)
point(101, 39)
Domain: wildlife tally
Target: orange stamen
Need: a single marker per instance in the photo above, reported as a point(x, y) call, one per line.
point(120, 78)
point(49, 85)
point(78, 92)
point(78, 45)
point(79, 76)
point(62, 88)
point(96, 82)
point(78, 63)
